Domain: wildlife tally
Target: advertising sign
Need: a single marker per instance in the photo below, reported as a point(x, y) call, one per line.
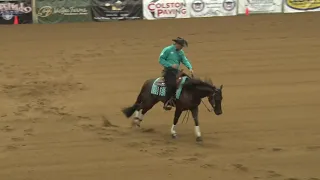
point(9, 9)
point(260, 6)
point(165, 9)
point(209, 8)
point(293, 6)
point(105, 10)
point(60, 11)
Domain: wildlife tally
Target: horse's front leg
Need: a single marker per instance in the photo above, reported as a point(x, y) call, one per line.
point(177, 115)
point(195, 115)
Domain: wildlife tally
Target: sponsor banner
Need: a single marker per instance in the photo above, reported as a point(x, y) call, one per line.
point(209, 8)
point(293, 6)
point(106, 10)
point(165, 9)
point(60, 11)
point(9, 9)
point(260, 6)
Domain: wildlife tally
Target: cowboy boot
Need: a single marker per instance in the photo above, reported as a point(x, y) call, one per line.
point(170, 101)
point(168, 104)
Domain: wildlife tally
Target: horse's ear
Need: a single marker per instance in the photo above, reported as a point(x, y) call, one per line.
point(210, 81)
point(206, 79)
point(221, 86)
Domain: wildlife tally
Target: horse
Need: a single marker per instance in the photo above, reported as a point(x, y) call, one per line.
point(190, 93)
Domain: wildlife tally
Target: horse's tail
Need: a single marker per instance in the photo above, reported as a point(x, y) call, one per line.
point(128, 111)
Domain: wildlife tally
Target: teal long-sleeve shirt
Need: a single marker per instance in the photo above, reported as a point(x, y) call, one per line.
point(170, 56)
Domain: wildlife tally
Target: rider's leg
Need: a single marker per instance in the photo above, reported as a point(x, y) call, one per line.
point(170, 80)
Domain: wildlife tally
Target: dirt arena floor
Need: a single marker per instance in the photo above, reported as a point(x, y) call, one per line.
point(60, 82)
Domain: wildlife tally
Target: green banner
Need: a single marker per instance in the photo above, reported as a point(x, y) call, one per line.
point(60, 11)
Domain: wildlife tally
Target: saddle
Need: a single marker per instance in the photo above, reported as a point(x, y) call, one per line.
point(179, 76)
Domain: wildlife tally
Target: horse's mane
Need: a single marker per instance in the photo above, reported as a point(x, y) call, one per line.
point(197, 83)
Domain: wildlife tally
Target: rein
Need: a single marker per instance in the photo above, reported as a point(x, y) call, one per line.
point(209, 110)
point(187, 113)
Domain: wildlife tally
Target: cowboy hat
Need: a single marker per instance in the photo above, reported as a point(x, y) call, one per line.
point(181, 41)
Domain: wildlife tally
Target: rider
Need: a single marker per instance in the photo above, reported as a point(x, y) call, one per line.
point(170, 58)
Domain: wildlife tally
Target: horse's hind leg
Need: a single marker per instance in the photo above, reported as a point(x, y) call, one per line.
point(141, 111)
point(138, 117)
point(138, 113)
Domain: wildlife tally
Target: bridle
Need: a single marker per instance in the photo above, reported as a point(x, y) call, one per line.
point(204, 104)
point(208, 109)
point(187, 113)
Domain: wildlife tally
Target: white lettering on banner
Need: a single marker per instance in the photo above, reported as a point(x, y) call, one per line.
point(167, 9)
point(260, 6)
point(159, 9)
point(46, 11)
point(19, 7)
point(209, 8)
point(293, 6)
point(8, 10)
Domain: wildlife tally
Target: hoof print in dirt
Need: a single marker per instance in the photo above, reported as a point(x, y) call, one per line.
point(106, 122)
point(240, 167)
point(148, 130)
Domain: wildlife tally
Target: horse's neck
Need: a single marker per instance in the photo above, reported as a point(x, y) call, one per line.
point(203, 94)
point(204, 91)
point(188, 97)
point(197, 93)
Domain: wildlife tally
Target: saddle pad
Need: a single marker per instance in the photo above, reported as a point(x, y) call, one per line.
point(159, 88)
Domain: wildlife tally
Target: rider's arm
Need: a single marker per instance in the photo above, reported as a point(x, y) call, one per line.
point(185, 60)
point(163, 58)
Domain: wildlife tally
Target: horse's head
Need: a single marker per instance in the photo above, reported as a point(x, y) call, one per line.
point(215, 99)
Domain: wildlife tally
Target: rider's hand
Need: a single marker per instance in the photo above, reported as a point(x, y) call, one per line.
point(192, 73)
point(175, 66)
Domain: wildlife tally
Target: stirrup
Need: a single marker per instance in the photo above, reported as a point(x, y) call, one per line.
point(169, 104)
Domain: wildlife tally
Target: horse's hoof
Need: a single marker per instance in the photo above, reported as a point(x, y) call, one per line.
point(174, 136)
point(135, 126)
point(199, 139)
point(136, 123)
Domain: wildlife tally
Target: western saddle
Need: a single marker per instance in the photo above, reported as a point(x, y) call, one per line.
point(179, 76)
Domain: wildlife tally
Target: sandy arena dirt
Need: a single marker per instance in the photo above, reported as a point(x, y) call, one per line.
point(59, 83)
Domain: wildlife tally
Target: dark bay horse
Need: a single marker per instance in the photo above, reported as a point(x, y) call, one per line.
point(191, 96)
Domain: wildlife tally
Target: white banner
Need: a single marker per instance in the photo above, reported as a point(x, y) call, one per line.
point(165, 9)
point(209, 8)
point(260, 6)
point(293, 6)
